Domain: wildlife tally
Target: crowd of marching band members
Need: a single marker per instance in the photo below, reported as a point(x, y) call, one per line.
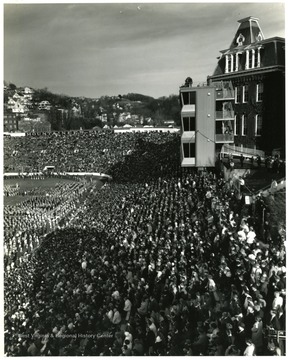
point(160, 261)
point(39, 214)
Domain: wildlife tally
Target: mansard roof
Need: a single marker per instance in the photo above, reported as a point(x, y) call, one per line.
point(249, 32)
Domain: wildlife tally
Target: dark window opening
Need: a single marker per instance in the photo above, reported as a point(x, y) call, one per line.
point(189, 123)
point(189, 150)
point(189, 97)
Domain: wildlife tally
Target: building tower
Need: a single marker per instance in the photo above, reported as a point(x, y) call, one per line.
point(207, 122)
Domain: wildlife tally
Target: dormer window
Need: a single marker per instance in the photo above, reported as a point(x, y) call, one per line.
point(233, 62)
point(240, 39)
point(230, 63)
point(253, 58)
point(259, 37)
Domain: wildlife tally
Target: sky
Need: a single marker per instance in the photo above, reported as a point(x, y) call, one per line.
point(97, 49)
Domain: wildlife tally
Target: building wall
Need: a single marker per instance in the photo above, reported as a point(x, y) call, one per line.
point(198, 133)
point(34, 126)
point(10, 123)
point(205, 127)
point(273, 131)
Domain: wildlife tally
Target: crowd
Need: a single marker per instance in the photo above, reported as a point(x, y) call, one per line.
point(160, 261)
point(75, 151)
point(39, 213)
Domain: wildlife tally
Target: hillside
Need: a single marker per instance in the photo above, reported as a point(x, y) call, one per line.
point(67, 113)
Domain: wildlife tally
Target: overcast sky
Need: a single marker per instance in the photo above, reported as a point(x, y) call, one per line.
point(99, 49)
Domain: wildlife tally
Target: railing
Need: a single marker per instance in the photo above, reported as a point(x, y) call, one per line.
point(238, 150)
point(225, 114)
point(222, 138)
point(225, 94)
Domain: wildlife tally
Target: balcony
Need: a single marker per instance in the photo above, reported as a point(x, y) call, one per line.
point(189, 110)
point(188, 136)
point(224, 138)
point(225, 114)
point(225, 94)
point(188, 162)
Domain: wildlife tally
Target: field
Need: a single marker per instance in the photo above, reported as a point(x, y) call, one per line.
point(29, 184)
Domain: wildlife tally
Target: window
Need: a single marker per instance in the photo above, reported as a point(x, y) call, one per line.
point(238, 94)
point(189, 123)
point(189, 150)
point(259, 92)
point(256, 59)
point(229, 63)
point(189, 97)
point(245, 93)
point(227, 127)
point(235, 125)
point(250, 59)
point(258, 126)
point(232, 61)
point(244, 125)
point(224, 127)
point(238, 61)
point(253, 58)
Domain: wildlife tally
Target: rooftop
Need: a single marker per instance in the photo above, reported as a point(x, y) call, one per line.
point(249, 32)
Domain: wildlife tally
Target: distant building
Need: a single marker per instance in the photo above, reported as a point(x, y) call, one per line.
point(256, 68)
point(10, 122)
point(16, 104)
point(36, 122)
point(44, 105)
point(76, 110)
point(169, 122)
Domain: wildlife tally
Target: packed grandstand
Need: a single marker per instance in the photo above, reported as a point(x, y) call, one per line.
point(158, 261)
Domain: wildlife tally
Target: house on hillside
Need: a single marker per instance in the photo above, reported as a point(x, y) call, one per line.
point(27, 93)
point(103, 117)
point(44, 105)
point(18, 97)
point(116, 106)
point(123, 117)
point(76, 110)
point(135, 119)
point(16, 105)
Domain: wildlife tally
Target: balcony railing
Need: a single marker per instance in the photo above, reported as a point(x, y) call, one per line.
point(238, 150)
point(224, 138)
point(225, 114)
point(225, 94)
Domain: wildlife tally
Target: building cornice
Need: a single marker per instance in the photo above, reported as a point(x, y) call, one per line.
point(252, 45)
point(251, 72)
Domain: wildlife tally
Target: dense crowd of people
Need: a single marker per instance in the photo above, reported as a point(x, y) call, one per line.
point(74, 151)
point(160, 261)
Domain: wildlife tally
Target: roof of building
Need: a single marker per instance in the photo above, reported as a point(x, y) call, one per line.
point(249, 32)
